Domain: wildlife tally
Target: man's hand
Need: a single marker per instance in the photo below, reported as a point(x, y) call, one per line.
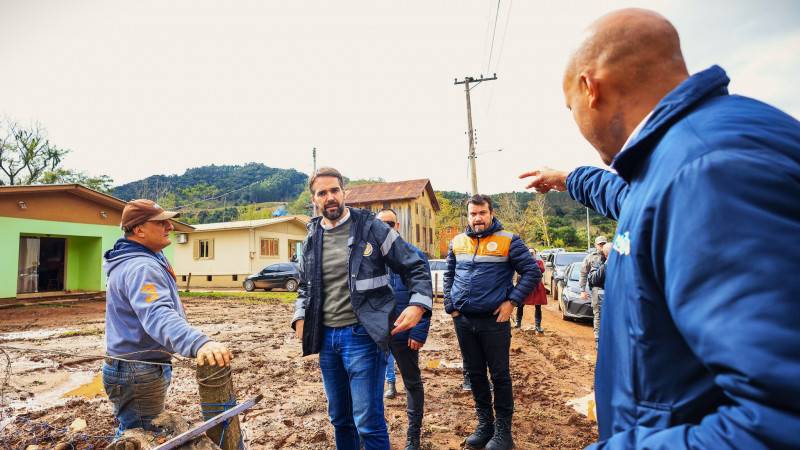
point(215, 353)
point(455, 314)
point(298, 329)
point(414, 345)
point(503, 312)
point(408, 319)
point(546, 179)
point(584, 295)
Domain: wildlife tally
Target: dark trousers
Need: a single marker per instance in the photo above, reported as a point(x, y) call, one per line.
point(537, 314)
point(485, 344)
point(408, 363)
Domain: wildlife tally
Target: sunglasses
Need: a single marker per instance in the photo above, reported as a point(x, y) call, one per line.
point(390, 223)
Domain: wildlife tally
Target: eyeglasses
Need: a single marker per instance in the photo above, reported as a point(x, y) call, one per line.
point(390, 223)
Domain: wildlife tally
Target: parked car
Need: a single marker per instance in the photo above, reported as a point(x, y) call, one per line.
point(555, 266)
point(280, 276)
point(570, 303)
point(438, 268)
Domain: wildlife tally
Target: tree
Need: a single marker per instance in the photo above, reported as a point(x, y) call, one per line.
point(538, 207)
point(26, 154)
point(100, 183)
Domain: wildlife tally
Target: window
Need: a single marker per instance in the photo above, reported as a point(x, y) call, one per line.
point(269, 247)
point(295, 250)
point(204, 249)
point(183, 277)
point(417, 232)
point(430, 235)
point(235, 277)
point(386, 205)
point(416, 206)
point(209, 277)
point(424, 235)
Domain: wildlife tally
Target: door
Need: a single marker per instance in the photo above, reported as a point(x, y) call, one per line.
point(41, 264)
point(28, 267)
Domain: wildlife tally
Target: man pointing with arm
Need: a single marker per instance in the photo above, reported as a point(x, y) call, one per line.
point(694, 351)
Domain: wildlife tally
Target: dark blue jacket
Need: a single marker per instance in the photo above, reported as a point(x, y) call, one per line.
point(699, 339)
point(374, 249)
point(480, 271)
point(402, 295)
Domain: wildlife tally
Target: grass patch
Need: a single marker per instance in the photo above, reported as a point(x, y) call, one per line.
point(250, 298)
point(83, 332)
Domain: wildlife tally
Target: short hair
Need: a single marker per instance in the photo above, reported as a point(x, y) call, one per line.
point(325, 172)
point(480, 199)
point(389, 210)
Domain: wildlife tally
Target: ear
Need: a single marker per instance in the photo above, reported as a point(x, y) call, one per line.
point(590, 89)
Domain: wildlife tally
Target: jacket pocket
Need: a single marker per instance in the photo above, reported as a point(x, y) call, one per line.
point(653, 415)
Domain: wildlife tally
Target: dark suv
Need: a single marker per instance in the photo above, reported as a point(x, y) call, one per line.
point(280, 276)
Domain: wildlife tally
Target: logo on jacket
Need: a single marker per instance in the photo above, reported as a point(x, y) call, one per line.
point(491, 246)
point(368, 249)
point(150, 291)
point(622, 243)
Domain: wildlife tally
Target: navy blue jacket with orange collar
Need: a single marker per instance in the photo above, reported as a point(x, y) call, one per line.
point(480, 271)
point(696, 352)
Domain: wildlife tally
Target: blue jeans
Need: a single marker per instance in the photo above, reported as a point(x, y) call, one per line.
point(353, 368)
point(391, 377)
point(137, 392)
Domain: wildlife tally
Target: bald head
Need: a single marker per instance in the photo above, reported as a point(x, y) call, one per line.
point(629, 60)
point(634, 45)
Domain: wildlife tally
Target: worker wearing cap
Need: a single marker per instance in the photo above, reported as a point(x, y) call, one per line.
point(145, 319)
point(593, 259)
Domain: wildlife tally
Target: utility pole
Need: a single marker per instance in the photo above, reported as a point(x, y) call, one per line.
point(314, 156)
point(588, 236)
point(473, 171)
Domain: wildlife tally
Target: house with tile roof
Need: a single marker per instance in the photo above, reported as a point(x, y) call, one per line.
point(414, 202)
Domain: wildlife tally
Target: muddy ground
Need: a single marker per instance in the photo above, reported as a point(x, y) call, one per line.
point(548, 371)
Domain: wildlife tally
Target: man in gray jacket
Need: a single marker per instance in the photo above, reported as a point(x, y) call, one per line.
point(145, 319)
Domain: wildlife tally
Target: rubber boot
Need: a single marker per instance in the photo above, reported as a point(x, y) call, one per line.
point(485, 430)
point(502, 439)
point(413, 433)
point(391, 392)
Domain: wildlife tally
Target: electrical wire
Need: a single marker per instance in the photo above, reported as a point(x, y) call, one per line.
point(491, 47)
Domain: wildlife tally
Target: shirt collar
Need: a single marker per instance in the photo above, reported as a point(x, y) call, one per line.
point(343, 220)
point(637, 130)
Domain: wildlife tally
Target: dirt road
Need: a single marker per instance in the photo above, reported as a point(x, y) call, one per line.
point(548, 371)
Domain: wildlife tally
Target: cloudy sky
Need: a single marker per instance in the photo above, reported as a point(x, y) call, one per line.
point(138, 88)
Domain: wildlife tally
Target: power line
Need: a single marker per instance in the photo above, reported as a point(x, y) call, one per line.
point(216, 197)
point(500, 53)
point(491, 47)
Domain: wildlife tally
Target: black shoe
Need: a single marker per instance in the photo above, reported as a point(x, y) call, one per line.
point(391, 392)
point(502, 439)
point(539, 329)
point(485, 430)
point(413, 433)
point(466, 385)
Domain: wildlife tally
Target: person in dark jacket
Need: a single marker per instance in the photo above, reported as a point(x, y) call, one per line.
point(695, 351)
point(596, 281)
point(345, 309)
point(405, 346)
point(480, 295)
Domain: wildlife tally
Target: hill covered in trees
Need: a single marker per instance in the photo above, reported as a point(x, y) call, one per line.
point(218, 193)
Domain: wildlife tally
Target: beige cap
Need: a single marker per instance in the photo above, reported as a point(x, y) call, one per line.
point(139, 211)
point(600, 240)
